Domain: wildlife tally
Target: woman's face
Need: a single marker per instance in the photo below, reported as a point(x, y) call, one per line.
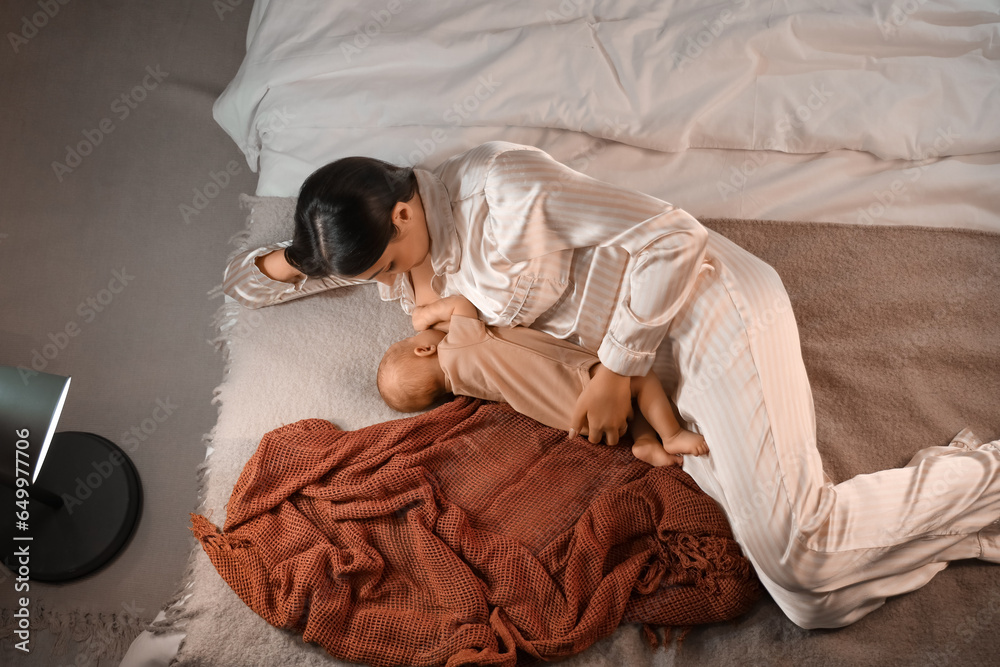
point(408, 249)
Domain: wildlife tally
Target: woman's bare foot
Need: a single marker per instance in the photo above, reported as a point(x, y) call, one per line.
point(651, 451)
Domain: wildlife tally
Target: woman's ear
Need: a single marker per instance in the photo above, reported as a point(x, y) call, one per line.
point(402, 216)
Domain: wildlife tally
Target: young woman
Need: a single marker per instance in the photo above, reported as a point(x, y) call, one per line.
point(533, 243)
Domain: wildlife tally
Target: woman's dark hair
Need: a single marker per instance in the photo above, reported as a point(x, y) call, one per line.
point(343, 218)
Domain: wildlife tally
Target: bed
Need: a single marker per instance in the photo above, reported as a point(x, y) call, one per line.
point(847, 143)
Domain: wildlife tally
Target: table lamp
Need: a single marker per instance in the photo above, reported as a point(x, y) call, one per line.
point(71, 500)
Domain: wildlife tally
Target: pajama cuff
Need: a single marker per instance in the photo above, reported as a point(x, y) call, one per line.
point(622, 360)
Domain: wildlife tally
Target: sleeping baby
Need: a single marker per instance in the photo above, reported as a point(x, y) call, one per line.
point(537, 374)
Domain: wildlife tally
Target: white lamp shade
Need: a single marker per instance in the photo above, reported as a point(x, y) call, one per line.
point(30, 405)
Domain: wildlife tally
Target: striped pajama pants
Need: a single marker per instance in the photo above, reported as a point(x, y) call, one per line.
point(828, 554)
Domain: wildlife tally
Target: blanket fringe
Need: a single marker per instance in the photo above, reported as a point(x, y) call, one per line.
point(704, 558)
point(650, 633)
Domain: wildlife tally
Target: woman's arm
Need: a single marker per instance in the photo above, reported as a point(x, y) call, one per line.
point(558, 209)
point(276, 267)
point(262, 277)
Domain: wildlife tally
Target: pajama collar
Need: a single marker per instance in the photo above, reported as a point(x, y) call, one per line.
point(446, 251)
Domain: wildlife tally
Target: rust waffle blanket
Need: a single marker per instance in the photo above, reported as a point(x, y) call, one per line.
point(469, 535)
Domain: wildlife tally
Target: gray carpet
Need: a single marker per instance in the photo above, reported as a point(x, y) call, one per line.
point(64, 234)
point(900, 336)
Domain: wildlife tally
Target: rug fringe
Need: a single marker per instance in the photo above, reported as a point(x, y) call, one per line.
point(226, 323)
point(175, 612)
point(100, 634)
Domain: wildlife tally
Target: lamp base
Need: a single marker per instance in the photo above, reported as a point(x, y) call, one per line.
point(101, 503)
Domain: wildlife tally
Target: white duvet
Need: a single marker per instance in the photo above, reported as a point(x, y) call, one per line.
point(869, 86)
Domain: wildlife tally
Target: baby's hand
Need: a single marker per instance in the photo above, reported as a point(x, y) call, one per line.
point(685, 442)
point(437, 314)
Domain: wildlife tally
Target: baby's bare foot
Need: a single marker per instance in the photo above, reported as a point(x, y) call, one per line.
point(686, 442)
point(651, 451)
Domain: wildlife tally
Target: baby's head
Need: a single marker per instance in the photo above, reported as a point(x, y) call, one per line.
point(410, 376)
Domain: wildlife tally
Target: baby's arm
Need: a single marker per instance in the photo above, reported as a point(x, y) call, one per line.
point(437, 314)
point(655, 407)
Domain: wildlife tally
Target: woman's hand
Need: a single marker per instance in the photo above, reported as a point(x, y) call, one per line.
point(604, 407)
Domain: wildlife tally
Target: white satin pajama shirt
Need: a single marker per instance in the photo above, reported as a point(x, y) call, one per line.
point(533, 243)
